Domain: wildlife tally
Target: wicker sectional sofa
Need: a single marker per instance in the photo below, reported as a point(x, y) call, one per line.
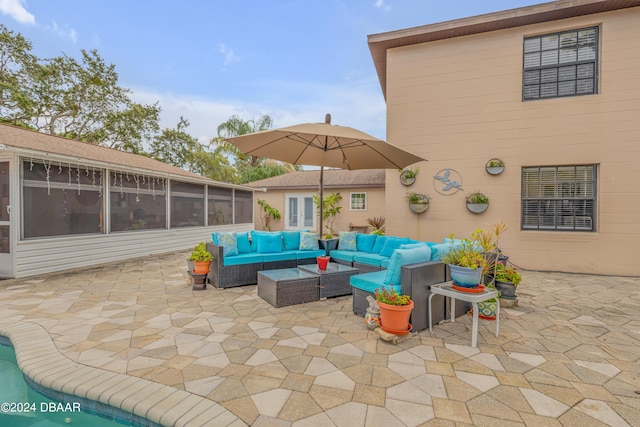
point(242, 268)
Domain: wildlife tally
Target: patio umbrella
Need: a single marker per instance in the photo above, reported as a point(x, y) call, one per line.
point(324, 145)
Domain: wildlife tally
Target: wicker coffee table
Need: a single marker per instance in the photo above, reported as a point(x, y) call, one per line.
point(287, 286)
point(334, 281)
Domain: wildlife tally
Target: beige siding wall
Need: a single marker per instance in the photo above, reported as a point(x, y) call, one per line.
point(375, 199)
point(458, 103)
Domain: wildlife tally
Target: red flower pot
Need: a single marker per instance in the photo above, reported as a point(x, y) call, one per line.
point(395, 318)
point(323, 261)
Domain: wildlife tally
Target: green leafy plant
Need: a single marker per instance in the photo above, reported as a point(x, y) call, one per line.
point(477, 198)
point(200, 253)
point(391, 297)
point(330, 209)
point(268, 213)
point(377, 223)
point(496, 163)
point(507, 274)
point(417, 198)
point(466, 253)
point(409, 172)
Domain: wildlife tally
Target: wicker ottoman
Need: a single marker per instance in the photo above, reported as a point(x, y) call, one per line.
point(287, 286)
point(334, 281)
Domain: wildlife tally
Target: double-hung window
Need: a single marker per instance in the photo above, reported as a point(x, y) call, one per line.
point(358, 202)
point(561, 64)
point(560, 198)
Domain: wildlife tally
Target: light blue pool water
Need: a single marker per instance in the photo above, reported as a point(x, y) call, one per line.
point(22, 406)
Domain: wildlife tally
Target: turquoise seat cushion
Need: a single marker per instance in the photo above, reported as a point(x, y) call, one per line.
point(229, 241)
point(379, 243)
point(369, 282)
point(279, 256)
point(347, 240)
point(309, 254)
point(370, 259)
point(269, 243)
point(308, 241)
point(392, 244)
point(244, 245)
point(291, 240)
point(346, 256)
point(365, 242)
point(240, 259)
point(402, 257)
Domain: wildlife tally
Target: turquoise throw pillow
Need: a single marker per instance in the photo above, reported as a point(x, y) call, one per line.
point(402, 257)
point(377, 246)
point(229, 241)
point(392, 244)
point(347, 240)
point(214, 238)
point(244, 245)
point(412, 245)
point(438, 251)
point(308, 241)
point(365, 242)
point(291, 240)
point(269, 243)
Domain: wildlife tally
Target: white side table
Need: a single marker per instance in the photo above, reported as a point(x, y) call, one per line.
point(447, 291)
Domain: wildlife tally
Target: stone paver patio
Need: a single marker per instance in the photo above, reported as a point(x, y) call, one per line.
point(568, 355)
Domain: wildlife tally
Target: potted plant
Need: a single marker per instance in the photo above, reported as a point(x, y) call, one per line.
point(330, 209)
point(395, 311)
point(201, 259)
point(408, 176)
point(506, 280)
point(495, 166)
point(268, 214)
point(377, 223)
point(477, 202)
point(466, 262)
point(418, 202)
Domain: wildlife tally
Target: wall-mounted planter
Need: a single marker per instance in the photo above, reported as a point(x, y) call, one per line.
point(407, 177)
point(495, 166)
point(418, 203)
point(477, 202)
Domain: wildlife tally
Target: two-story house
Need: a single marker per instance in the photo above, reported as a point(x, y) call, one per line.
point(552, 90)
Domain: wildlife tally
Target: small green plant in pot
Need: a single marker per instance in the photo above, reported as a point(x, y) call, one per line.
point(466, 262)
point(377, 223)
point(477, 202)
point(418, 202)
point(268, 214)
point(330, 209)
point(408, 176)
point(201, 259)
point(507, 280)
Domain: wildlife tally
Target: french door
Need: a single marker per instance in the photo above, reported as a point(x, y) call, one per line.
point(299, 212)
point(6, 259)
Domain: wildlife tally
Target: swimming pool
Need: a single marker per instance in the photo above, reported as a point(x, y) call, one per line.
point(22, 406)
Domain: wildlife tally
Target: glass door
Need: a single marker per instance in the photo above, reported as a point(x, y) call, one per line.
point(299, 212)
point(6, 260)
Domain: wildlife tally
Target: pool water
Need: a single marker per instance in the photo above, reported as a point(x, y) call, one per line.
point(22, 406)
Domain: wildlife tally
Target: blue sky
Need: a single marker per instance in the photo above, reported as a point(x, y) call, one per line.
point(206, 60)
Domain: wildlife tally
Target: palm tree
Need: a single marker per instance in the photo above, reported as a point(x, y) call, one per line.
point(237, 126)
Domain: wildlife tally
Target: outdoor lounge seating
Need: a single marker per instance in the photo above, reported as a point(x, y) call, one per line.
point(238, 258)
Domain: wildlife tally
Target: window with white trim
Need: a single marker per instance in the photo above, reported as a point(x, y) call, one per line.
point(559, 198)
point(358, 202)
point(560, 64)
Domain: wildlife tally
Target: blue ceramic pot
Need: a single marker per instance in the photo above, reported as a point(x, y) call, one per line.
point(465, 277)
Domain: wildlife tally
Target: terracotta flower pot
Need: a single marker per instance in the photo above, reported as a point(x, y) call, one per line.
point(201, 267)
point(395, 318)
point(323, 261)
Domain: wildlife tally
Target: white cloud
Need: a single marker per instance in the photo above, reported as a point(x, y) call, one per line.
point(63, 32)
point(358, 104)
point(380, 4)
point(228, 53)
point(16, 10)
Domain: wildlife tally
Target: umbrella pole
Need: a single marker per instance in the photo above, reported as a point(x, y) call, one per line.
point(321, 200)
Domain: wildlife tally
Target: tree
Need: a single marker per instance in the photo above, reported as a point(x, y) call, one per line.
point(236, 126)
point(66, 97)
point(175, 146)
point(15, 58)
